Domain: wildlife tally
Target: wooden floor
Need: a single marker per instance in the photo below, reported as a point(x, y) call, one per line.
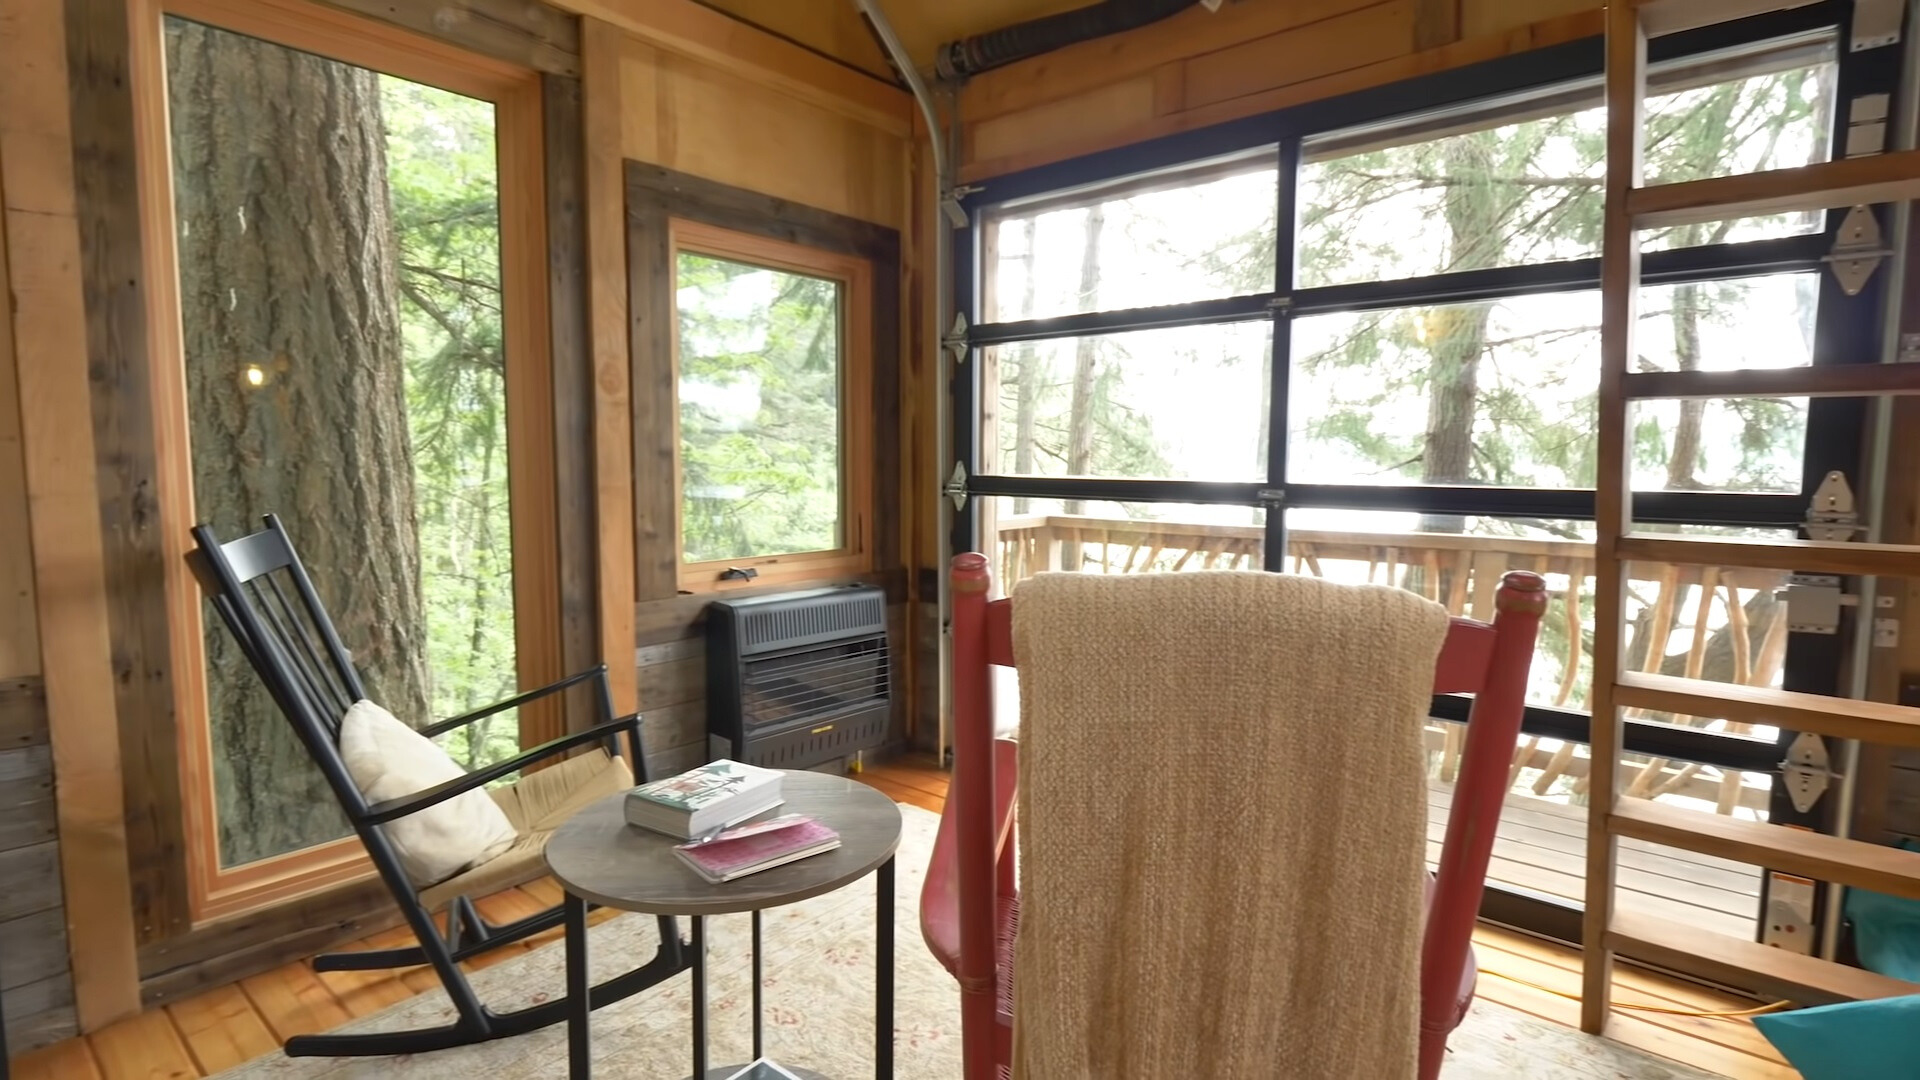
point(222, 1028)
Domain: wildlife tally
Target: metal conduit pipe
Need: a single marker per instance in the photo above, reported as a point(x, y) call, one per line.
point(998, 48)
point(943, 317)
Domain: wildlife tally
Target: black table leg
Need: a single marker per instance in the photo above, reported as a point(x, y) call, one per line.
point(579, 992)
point(699, 996)
point(883, 973)
point(758, 1052)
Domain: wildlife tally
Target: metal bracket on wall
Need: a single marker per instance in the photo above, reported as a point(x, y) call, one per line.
point(955, 339)
point(1806, 771)
point(956, 488)
point(1857, 250)
point(1831, 515)
point(950, 205)
point(1876, 23)
point(1814, 602)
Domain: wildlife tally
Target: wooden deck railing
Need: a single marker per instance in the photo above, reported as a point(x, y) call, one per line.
point(1461, 572)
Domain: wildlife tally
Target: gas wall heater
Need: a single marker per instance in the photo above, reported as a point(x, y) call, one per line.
point(798, 679)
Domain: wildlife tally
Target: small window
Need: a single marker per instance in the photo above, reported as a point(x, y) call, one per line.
point(771, 349)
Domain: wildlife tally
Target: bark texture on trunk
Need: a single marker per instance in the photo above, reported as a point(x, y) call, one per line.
point(1086, 359)
point(287, 279)
point(1457, 334)
point(1027, 374)
point(1086, 363)
point(1684, 460)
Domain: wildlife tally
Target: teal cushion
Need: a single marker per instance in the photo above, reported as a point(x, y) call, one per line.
point(1859, 1040)
point(1886, 930)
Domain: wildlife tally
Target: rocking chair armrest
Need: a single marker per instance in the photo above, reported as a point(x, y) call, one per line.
point(392, 809)
point(435, 730)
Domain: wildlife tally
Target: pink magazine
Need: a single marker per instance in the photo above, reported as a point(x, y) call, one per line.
point(761, 845)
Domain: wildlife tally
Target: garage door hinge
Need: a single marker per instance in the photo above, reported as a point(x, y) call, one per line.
point(956, 487)
point(1806, 771)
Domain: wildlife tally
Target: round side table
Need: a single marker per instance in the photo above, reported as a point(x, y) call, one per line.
point(599, 859)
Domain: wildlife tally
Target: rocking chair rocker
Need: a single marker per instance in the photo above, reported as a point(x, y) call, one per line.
point(970, 903)
point(287, 636)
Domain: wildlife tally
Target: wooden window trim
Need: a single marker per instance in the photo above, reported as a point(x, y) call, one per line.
point(516, 92)
point(655, 197)
point(854, 274)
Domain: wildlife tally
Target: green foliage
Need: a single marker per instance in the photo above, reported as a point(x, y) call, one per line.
point(1508, 196)
point(760, 379)
point(443, 178)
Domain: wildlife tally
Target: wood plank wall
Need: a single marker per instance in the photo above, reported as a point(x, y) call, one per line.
point(683, 113)
point(1198, 68)
point(36, 981)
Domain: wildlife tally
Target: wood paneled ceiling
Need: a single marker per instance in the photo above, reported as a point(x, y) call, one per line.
point(834, 27)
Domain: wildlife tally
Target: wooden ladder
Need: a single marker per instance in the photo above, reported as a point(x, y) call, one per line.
point(1631, 207)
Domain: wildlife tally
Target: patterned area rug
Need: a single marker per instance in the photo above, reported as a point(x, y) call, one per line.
point(819, 995)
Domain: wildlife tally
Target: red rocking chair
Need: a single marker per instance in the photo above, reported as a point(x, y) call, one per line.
point(970, 905)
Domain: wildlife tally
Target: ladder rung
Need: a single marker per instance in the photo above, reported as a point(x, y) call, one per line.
point(1842, 718)
point(1813, 556)
point(1874, 179)
point(1672, 16)
point(1827, 380)
point(1749, 965)
point(1796, 851)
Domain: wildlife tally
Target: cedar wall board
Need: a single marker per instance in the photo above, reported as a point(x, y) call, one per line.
point(695, 118)
point(684, 114)
point(1196, 70)
point(36, 982)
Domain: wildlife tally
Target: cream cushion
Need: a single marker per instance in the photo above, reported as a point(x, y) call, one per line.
point(389, 760)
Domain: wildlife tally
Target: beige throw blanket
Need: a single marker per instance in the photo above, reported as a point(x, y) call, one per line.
point(1222, 829)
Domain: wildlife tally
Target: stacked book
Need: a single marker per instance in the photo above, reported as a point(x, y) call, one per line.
point(704, 800)
point(760, 845)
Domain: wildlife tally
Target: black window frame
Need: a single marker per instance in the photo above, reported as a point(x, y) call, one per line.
point(1847, 331)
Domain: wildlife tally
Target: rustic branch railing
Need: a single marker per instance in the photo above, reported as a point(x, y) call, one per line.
point(1461, 572)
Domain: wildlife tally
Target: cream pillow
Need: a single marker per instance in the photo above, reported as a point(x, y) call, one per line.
point(389, 760)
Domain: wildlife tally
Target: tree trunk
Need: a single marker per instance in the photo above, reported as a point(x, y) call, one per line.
point(1027, 376)
point(1685, 458)
point(1457, 334)
point(297, 389)
point(1086, 356)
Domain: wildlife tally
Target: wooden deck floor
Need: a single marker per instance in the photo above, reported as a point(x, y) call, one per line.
point(1541, 846)
point(221, 1028)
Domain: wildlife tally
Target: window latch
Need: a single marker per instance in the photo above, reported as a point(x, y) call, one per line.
point(739, 573)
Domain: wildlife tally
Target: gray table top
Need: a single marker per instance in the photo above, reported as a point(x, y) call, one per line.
point(598, 857)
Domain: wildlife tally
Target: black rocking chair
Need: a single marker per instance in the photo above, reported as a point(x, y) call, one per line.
point(286, 635)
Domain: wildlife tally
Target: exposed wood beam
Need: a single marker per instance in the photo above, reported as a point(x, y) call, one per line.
point(1672, 16)
point(1796, 851)
point(689, 29)
point(525, 32)
point(1847, 182)
point(612, 417)
point(1826, 380)
point(40, 237)
point(1749, 965)
point(1845, 718)
point(1821, 556)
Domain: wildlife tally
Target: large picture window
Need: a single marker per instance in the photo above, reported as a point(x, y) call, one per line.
point(361, 352)
point(1370, 353)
